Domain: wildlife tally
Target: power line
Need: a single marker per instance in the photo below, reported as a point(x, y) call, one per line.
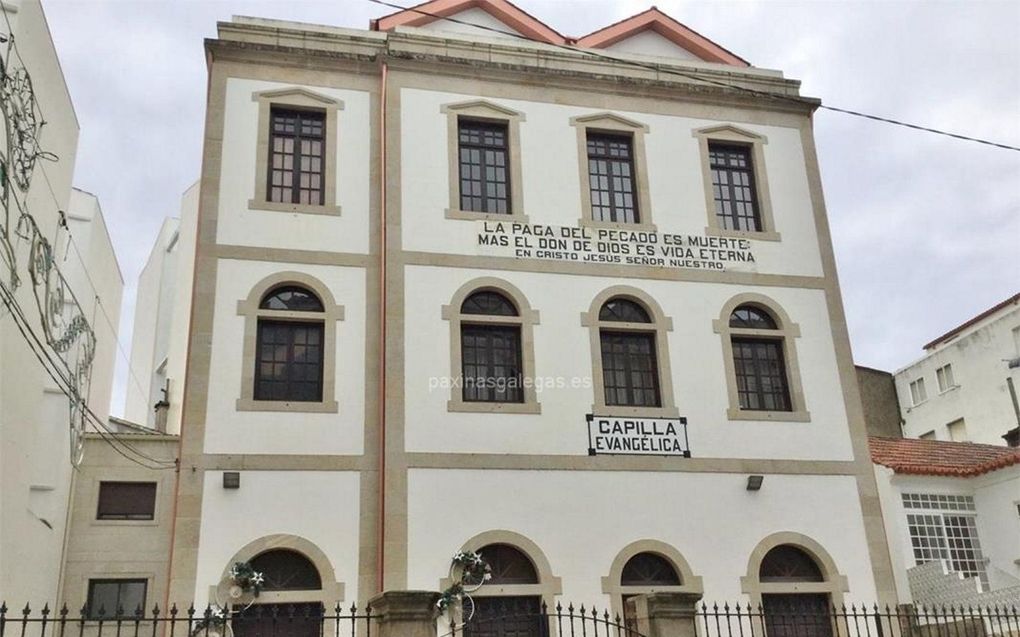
point(694, 76)
point(52, 369)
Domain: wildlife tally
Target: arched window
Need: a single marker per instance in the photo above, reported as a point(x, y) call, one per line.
point(518, 613)
point(493, 348)
point(630, 367)
point(490, 350)
point(286, 570)
point(289, 350)
point(758, 361)
point(761, 363)
point(649, 569)
point(796, 584)
point(787, 563)
point(630, 354)
point(289, 345)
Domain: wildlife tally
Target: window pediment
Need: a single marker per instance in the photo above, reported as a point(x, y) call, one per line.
point(729, 132)
point(298, 96)
point(482, 108)
point(609, 121)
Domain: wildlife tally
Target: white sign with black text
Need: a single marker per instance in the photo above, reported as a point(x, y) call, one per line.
point(613, 435)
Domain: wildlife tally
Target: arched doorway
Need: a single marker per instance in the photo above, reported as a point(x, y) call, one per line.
point(796, 605)
point(645, 572)
point(509, 604)
point(291, 591)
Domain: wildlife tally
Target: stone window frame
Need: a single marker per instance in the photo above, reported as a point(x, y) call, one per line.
point(485, 111)
point(332, 591)
point(787, 332)
point(526, 319)
point(612, 586)
point(736, 136)
point(612, 123)
point(660, 325)
point(548, 587)
point(298, 99)
point(835, 584)
point(250, 310)
point(86, 580)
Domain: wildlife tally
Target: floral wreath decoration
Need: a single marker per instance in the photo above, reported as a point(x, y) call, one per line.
point(474, 571)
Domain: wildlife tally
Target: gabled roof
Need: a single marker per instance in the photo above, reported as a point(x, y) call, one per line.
point(939, 457)
point(1013, 300)
point(680, 35)
point(504, 11)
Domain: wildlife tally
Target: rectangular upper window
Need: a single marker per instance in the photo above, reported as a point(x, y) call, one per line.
point(944, 375)
point(733, 187)
point(126, 501)
point(918, 394)
point(611, 178)
point(297, 148)
point(491, 360)
point(289, 361)
point(484, 161)
point(112, 598)
point(761, 374)
point(630, 370)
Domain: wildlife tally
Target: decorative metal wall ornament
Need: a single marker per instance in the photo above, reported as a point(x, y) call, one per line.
point(66, 330)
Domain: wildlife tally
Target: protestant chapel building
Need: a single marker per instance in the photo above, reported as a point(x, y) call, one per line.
point(471, 284)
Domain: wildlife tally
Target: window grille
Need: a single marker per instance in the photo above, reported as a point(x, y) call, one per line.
point(733, 187)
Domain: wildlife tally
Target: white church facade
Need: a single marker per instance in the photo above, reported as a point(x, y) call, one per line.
point(570, 302)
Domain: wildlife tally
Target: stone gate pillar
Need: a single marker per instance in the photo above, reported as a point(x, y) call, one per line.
point(665, 614)
point(405, 613)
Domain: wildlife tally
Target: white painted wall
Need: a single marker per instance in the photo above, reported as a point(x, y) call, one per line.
point(552, 185)
point(648, 42)
point(996, 497)
point(35, 470)
point(978, 357)
point(581, 520)
point(320, 506)
point(238, 225)
point(563, 351)
point(466, 25)
point(231, 431)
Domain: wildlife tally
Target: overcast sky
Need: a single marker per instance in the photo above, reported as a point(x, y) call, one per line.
point(926, 228)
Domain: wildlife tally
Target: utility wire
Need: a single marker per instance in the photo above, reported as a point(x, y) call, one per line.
point(693, 76)
point(52, 369)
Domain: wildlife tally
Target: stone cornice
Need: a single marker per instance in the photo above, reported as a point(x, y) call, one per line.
point(531, 63)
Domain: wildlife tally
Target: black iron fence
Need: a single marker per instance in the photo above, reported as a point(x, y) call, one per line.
point(262, 620)
point(704, 620)
point(812, 620)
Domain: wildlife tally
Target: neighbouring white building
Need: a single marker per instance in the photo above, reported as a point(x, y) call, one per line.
point(159, 340)
point(461, 290)
point(966, 388)
point(952, 515)
point(59, 306)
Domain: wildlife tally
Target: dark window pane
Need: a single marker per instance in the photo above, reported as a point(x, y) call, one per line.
point(491, 303)
point(749, 317)
point(736, 205)
point(288, 361)
point(509, 565)
point(126, 500)
point(491, 363)
point(115, 598)
point(630, 371)
point(296, 157)
point(760, 374)
point(786, 563)
point(649, 569)
point(291, 298)
point(484, 167)
point(611, 178)
point(286, 570)
point(622, 310)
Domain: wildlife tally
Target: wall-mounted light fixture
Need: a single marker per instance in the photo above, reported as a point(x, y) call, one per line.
point(231, 480)
point(754, 482)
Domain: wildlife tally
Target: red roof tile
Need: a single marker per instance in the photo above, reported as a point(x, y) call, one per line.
point(940, 458)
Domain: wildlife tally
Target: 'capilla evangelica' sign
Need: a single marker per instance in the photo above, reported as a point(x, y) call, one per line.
point(613, 435)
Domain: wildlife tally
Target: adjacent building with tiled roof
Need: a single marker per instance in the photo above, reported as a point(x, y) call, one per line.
point(939, 458)
point(952, 516)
